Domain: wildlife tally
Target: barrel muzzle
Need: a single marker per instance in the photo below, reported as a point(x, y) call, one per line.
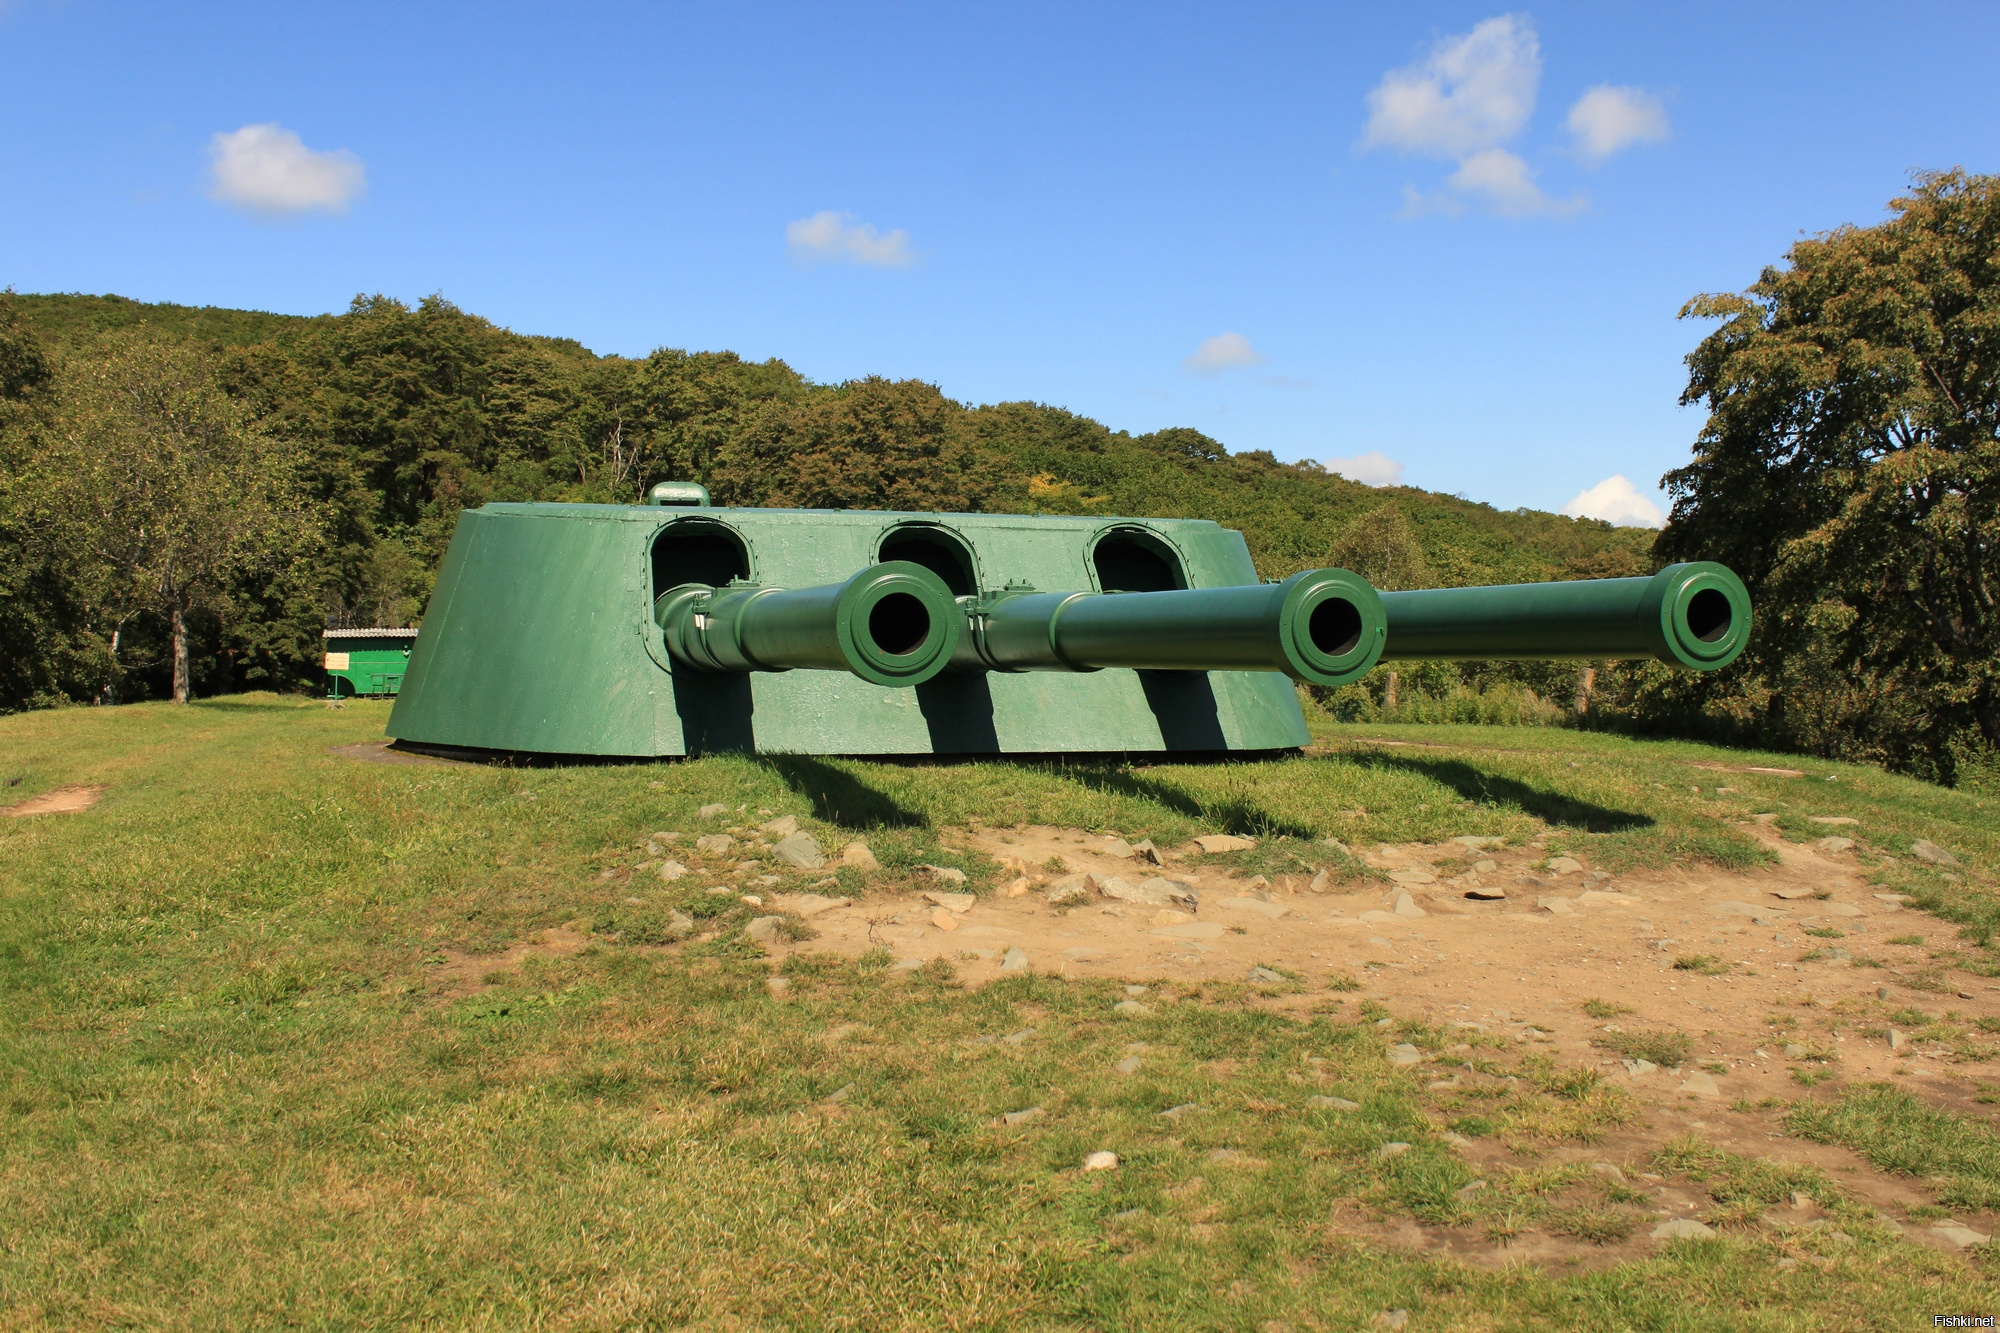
point(892, 624)
point(1325, 626)
point(1693, 615)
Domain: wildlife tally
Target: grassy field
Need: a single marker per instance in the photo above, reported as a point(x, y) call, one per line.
point(240, 1091)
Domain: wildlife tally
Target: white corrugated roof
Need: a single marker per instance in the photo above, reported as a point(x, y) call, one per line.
point(368, 634)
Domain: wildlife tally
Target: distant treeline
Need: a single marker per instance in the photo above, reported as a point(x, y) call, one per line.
point(252, 479)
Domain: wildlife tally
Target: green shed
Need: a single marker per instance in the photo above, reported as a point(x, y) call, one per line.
point(367, 663)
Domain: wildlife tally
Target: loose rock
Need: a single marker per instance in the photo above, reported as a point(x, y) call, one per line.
point(1554, 905)
point(951, 902)
point(1175, 1112)
point(1406, 907)
point(1478, 844)
point(1702, 1085)
point(1021, 1117)
point(1834, 819)
point(781, 828)
point(714, 844)
point(1264, 976)
point(1926, 850)
point(1392, 1150)
point(856, 854)
point(944, 920)
point(799, 851)
point(1563, 865)
point(1960, 1235)
point(1225, 842)
point(1101, 1161)
point(1486, 893)
point(947, 874)
point(1834, 844)
point(1069, 890)
point(1403, 1053)
point(672, 870)
point(1014, 960)
point(1129, 1065)
point(763, 932)
point(716, 811)
point(1146, 851)
point(1132, 1008)
point(1682, 1228)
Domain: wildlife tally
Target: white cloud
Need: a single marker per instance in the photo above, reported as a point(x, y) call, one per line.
point(1472, 92)
point(1373, 468)
point(1618, 502)
point(835, 237)
point(1503, 182)
point(266, 169)
point(1225, 351)
point(1607, 119)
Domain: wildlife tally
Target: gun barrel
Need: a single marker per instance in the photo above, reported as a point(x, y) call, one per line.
point(892, 624)
point(1695, 615)
point(1323, 625)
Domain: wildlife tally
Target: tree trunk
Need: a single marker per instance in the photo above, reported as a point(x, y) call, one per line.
point(180, 657)
point(1389, 693)
point(1586, 681)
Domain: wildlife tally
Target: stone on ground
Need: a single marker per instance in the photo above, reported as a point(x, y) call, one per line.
point(1101, 1161)
point(1563, 865)
point(951, 902)
point(1014, 960)
point(1021, 1117)
point(672, 870)
point(945, 874)
point(1406, 907)
point(715, 811)
point(783, 827)
point(858, 855)
point(763, 932)
point(1069, 890)
point(810, 904)
point(1701, 1085)
point(1129, 1065)
point(1132, 1008)
point(1926, 850)
point(1555, 905)
point(714, 844)
point(1682, 1228)
point(944, 920)
point(1403, 1053)
point(1834, 819)
point(1834, 844)
point(1960, 1235)
point(1225, 842)
point(1264, 976)
point(1487, 893)
point(799, 851)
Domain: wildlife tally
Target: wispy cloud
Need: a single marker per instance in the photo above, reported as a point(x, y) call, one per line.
point(1504, 183)
point(1225, 351)
point(1472, 92)
point(1607, 120)
point(1373, 468)
point(830, 237)
point(1618, 502)
point(267, 170)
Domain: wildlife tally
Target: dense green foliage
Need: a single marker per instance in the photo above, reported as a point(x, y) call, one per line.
point(395, 418)
point(1850, 470)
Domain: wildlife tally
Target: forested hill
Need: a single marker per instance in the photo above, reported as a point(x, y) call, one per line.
point(390, 419)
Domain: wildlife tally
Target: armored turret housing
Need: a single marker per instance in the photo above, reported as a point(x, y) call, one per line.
point(677, 628)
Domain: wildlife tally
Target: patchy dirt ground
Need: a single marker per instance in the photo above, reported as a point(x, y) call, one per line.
point(1523, 966)
point(61, 801)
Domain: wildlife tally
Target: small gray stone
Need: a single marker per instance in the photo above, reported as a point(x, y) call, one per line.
point(1926, 850)
point(1264, 976)
point(857, 855)
point(1467, 1191)
point(1607, 1170)
point(799, 851)
point(1406, 907)
point(1682, 1228)
point(1021, 1117)
point(1563, 865)
point(1641, 1068)
point(1129, 1065)
point(1555, 904)
point(1332, 1104)
point(1702, 1085)
point(1146, 851)
point(781, 828)
point(1068, 891)
point(1834, 844)
point(840, 1095)
point(945, 874)
point(1403, 1053)
point(672, 870)
point(1132, 1008)
point(1014, 960)
point(1116, 847)
point(716, 811)
point(1959, 1234)
point(763, 931)
point(1101, 1161)
point(1898, 1039)
point(1392, 1150)
point(1478, 844)
point(1794, 1051)
point(1225, 842)
point(1175, 1112)
point(1486, 893)
point(714, 844)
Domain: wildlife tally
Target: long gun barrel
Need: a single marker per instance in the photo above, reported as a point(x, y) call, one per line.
point(1324, 625)
point(892, 624)
point(1694, 615)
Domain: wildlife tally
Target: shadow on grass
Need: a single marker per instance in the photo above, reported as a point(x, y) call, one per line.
point(1233, 816)
point(838, 797)
point(1490, 789)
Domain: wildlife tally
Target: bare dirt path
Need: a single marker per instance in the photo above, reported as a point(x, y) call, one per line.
point(1523, 966)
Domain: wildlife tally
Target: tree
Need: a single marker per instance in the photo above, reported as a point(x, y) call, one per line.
point(1850, 471)
point(873, 444)
point(161, 492)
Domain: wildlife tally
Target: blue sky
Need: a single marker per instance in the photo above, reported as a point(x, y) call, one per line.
point(1393, 228)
